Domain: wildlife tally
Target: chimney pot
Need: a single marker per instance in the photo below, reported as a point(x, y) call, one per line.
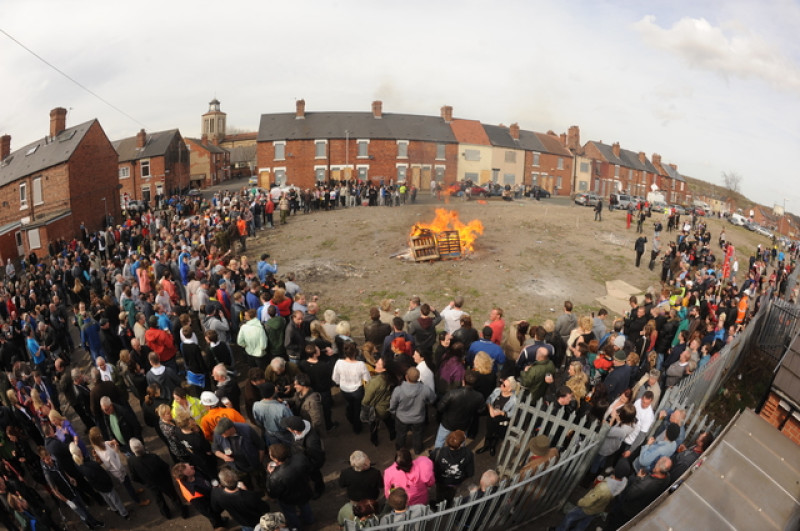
point(657, 160)
point(377, 109)
point(642, 157)
point(301, 110)
point(58, 121)
point(574, 138)
point(514, 131)
point(5, 146)
point(615, 149)
point(563, 138)
point(141, 139)
point(447, 114)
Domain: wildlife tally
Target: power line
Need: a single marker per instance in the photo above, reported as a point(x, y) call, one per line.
point(81, 85)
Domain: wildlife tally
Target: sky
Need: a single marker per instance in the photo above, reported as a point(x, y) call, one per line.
point(712, 86)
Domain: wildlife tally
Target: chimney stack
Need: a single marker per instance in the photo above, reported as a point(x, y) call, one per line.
point(301, 110)
point(377, 109)
point(657, 161)
point(574, 138)
point(141, 139)
point(5, 146)
point(615, 149)
point(674, 167)
point(447, 114)
point(58, 121)
point(514, 131)
point(642, 157)
point(563, 138)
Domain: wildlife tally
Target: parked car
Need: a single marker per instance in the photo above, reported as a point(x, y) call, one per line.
point(620, 202)
point(538, 189)
point(658, 207)
point(763, 231)
point(679, 209)
point(135, 205)
point(737, 219)
point(587, 199)
point(458, 189)
point(699, 211)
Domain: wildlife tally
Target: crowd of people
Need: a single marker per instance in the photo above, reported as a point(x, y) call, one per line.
point(235, 370)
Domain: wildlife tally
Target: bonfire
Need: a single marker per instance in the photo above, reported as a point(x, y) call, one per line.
point(446, 237)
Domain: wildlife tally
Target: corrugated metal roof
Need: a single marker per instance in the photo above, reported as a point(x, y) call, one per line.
point(42, 154)
point(749, 479)
point(787, 379)
point(326, 125)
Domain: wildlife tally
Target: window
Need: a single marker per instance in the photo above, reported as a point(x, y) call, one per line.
point(37, 191)
point(535, 158)
point(560, 163)
point(363, 148)
point(681, 187)
point(534, 178)
point(280, 150)
point(438, 173)
point(146, 193)
point(440, 155)
point(34, 242)
point(32, 150)
point(124, 172)
point(511, 156)
point(509, 178)
point(584, 167)
point(558, 182)
point(472, 154)
point(319, 174)
point(319, 148)
point(23, 195)
point(616, 170)
point(280, 176)
point(145, 167)
point(211, 126)
point(402, 149)
point(362, 172)
point(630, 173)
point(471, 177)
point(402, 170)
point(583, 186)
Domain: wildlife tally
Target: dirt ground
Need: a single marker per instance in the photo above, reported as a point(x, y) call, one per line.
point(531, 257)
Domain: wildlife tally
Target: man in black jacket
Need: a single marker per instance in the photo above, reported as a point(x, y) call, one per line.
point(152, 472)
point(121, 423)
point(287, 483)
point(375, 331)
point(245, 506)
point(61, 487)
point(458, 409)
point(308, 442)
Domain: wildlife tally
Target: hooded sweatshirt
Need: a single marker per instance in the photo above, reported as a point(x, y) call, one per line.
point(409, 400)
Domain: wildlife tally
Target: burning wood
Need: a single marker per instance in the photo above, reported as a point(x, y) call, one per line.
point(445, 238)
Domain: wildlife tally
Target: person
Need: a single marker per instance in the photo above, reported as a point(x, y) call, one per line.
point(623, 423)
point(485, 344)
point(196, 489)
point(642, 489)
point(162, 343)
point(165, 377)
point(154, 473)
point(361, 480)
point(100, 480)
point(639, 247)
point(648, 382)
point(120, 423)
point(497, 324)
point(307, 403)
point(350, 374)
point(414, 476)
point(319, 370)
point(408, 406)
point(653, 450)
point(215, 411)
point(244, 506)
point(287, 483)
point(375, 331)
point(566, 322)
point(253, 339)
point(598, 210)
point(535, 377)
point(540, 452)
point(107, 454)
point(238, 445)
point(184, 402)
point(401, 508)
point(451, 315)
point(500, 404)
point(452, 464)
point(619, 378)
point(459, 408)
point(595, 502)
point(364, 513)
point(308, 442)
point(61, 487)
point(645, 416)
point(227, 389)
point(377, 396)
point(685, 457)
point(423, 329)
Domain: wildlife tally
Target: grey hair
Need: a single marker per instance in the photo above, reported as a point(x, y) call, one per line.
point(655, 374)
point(277, 363)
point(359, 461)
point(105, 401)
point(137, 447)
point(76, 373)
point(220, 370)
point(228, 477)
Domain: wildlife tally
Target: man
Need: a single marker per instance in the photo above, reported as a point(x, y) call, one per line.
point(408, 405)
point(686, 457)
point(309, 316)
point(239, 446)
point(413, 312)
point(78, 396)
point(162, 343)
point(426, 375)
point(307, 403)
point(254, 340)
point(281, 374)
point(268, 412)
point(423, 329)
point(528, 354)
point(215, 320)
point(294, 342)
point(497, 324)
point(619, 378)
point(100, 389)
point(486, 345)
point(375, 331)
point(227, 388)
point(400, 511)
point(216, 411)
point(640, 492)
point(164, 377)
point(319, 369)
point(535, 377)
point(599, 327)
point(109, 340)
point(196, 490)
point(244, 506)
point(264, 268)
point(154, 473)
point(648, 382)
point(121, 423)
point(307, 441)
point(597, 500)
point(452, 314)
point(60, 452)
point(459, 408)
point(61, 487)
point(654, 450)
point(397, 331)
point(566, 322)
point(275, 327)
point(287, 482)
point(639, 247)
point(645, 416)
point(598, 210)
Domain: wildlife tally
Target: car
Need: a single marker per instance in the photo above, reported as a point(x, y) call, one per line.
point(620, 202)
point(536, 189)
point(749, 225)
point(679, 209)
point(658, 207)
point(458, 189)
point(587, 199)
point(737, 219)
point(195, 192)
point(135, 205)
point(763, 231)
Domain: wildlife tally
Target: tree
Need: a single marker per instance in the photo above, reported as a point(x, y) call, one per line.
point(732, 181)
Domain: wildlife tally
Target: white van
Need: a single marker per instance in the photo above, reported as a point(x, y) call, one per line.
point(737, 219)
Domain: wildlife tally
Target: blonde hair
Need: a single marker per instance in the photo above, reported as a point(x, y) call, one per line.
point(549, 326)
point(318, 330)
point(55, 416)
point(329, 316)
point(585, 323)
point(343, 328)
point(577, 382)
point(483, 363)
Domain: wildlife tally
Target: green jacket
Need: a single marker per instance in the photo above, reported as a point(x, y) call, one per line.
point(596, 500)
point(252, 338)
point(378, 393)
point(533, 378)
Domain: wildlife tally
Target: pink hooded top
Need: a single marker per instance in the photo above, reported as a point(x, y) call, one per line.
point(415, 482)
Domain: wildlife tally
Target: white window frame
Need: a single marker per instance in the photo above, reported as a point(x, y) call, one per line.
point(146, 188)
point(359, 143)
point(322, 168)
point(37, 183)
point(560, 163)
point(34, 239)
point(364, 167)
point(275, 145)
point(585, 167)
point(397, 167)
point(23, 196)
point(472, 155)
point(145, 163)
point(616, 171)
point(536, 158)
point(124, 172)
point(443, 148)
point(323, 143)
point(402, 143)
point(436, 169)
point(275, 175)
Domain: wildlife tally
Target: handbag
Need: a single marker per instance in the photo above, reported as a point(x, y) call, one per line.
point(368, 413)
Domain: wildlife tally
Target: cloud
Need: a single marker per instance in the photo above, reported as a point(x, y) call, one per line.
point(730, 51)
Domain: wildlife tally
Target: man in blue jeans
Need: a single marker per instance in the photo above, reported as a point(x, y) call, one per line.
point(408, 404)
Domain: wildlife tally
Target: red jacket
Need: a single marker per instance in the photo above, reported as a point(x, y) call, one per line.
point(160, 342)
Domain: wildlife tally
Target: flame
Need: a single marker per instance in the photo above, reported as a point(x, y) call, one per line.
point(448, 220)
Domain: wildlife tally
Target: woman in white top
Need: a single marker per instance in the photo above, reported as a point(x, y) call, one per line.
point(106, 454)
point(350, 375)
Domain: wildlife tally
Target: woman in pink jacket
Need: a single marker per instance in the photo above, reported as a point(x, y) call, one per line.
point(415, 476)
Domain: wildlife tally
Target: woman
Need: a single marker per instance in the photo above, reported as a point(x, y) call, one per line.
point(501, 404)
point(487, 380)
point(169, 433)
point(132, 374)
point(282, 302)
point(452, 464)
point(41, 408)
point(342, 336)
point(378, 394)
point(582, 334)
point(415, 476)
point(320, 337)
point(622, 424)
point(466, 335)
point(99, 479)
point(107, 454)
point(81, 294)
point(194, 442)
point(329, 324)
point(364, 513)
point(65, 432)
point(182, 402)
point(612, 412)
point(369, 355)
point(350, 374)
point(451, 372)
point(578, 381)
point(441, 349)
point(647, 339)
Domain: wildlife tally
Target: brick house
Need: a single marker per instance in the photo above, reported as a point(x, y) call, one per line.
point(553, 163)
point(152, 164)
point(622, 170)
point(208, 164)
point(474, 151)
point(307, 148)
point(51, 186)
point(508, 157)
point(241, 147)
point(672, 182)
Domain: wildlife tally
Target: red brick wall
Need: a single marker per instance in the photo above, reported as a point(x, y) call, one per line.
point(93, 174)
point(781, 418)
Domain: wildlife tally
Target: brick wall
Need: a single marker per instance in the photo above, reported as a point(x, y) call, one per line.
point(781, 417)
point(93, 174)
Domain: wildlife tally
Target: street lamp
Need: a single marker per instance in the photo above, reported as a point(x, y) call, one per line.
point(105, 208)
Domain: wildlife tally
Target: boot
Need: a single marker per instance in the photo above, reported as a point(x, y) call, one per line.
point(488, 446)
